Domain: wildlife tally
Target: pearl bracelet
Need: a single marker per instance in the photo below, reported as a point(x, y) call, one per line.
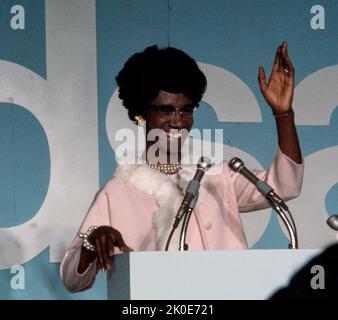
point(84, 236)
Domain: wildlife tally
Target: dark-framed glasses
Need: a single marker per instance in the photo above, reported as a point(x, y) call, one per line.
point(169, 112)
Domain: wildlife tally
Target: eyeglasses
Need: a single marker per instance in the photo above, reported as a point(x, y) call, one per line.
point(168, 112)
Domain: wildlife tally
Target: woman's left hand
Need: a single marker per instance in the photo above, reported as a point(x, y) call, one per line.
point(278, 92)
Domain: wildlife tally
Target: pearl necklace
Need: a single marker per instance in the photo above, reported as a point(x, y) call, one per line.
point(167, 168)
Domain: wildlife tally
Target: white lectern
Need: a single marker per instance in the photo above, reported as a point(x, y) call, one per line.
point(207, 275)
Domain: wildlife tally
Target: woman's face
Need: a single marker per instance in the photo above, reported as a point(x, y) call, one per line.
point(161, 114)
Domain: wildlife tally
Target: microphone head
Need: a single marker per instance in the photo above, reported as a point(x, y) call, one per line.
point(204, 163)
point(236, 164)
point(332, 221)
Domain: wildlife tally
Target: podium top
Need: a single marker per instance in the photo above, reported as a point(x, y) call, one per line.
point(207, 275)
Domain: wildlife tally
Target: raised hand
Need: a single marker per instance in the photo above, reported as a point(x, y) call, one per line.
point(278, 92)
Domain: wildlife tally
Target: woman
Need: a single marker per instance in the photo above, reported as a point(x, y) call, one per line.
point(135, 210)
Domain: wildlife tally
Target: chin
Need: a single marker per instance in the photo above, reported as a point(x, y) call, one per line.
point(168, 145)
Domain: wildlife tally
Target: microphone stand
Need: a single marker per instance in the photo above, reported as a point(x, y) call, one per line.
point(290, 228)
point(182, 245)
point(188, 203)
point(185, 210)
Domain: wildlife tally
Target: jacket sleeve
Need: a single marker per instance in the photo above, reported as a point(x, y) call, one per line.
point(97, 215)
point(284, 176)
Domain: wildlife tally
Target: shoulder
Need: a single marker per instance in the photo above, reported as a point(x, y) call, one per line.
point(121, 181)
point(113, 185)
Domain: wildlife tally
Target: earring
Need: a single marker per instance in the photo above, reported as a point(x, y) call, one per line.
point(140, 121)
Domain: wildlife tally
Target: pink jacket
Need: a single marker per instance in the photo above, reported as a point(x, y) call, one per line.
point(141, 203)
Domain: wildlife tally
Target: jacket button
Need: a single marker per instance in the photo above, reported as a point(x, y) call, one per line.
point(207, 226)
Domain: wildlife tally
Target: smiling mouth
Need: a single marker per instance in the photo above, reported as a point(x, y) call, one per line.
point(174, 135)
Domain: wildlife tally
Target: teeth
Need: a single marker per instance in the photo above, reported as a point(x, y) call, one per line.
point(174, 135)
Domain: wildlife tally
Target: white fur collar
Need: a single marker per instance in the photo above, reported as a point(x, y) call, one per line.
point(167, 194)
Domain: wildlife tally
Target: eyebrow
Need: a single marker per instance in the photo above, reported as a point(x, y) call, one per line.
point(172, 106)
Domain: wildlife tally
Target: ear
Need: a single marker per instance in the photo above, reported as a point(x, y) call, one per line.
point(140, 120)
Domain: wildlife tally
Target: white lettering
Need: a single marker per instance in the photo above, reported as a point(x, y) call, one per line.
point(67, 116)
point(18, 281)
point(18, 20)
point(318, 20)
point(318, 281)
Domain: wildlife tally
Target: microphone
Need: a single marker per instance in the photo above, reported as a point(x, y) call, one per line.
point(189, 201)
point(332, 221)
point(203, 166)
point(237, 165)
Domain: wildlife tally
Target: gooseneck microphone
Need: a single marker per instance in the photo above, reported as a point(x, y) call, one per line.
point(191, 194)
point(203, 166)
point(237, 165)
point(275, 201)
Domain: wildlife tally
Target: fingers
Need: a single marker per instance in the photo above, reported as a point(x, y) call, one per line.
point(285, 60)
point(282, 60)
point(101, 250)
point(125, 248)
point(121, 244)
point(276, 63)
point(261, 79)
point(109, 250)
point(105, 239)
point(110, 245)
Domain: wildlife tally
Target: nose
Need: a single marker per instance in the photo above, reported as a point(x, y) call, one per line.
point(177, 122)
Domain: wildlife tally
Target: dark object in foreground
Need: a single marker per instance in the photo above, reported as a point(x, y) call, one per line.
point(300, 287)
